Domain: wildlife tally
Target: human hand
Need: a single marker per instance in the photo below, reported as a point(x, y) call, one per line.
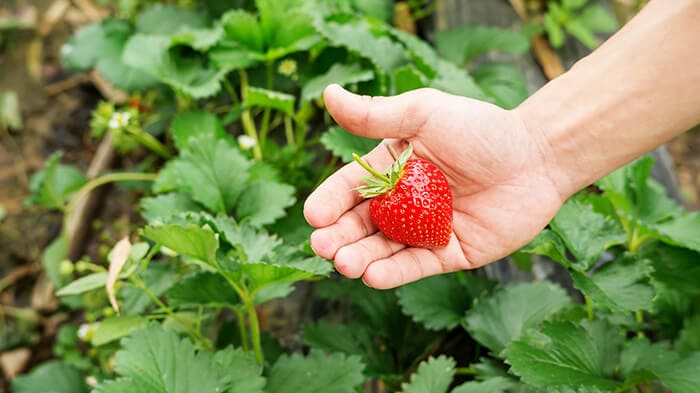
point(498, 171)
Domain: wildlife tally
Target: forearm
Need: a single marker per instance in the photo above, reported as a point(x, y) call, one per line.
point(639, 89)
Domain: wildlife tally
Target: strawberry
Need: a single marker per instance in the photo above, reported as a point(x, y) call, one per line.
point(411, 201)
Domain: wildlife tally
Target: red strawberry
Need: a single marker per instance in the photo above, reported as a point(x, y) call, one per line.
point(411, 202)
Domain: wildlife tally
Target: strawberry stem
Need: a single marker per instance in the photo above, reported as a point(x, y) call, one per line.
point(393, 152)
point(369, 168)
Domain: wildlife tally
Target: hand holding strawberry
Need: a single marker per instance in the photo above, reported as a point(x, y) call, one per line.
point(411, 203)
point(496, 168)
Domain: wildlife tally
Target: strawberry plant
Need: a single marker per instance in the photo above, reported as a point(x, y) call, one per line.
point(228, 128)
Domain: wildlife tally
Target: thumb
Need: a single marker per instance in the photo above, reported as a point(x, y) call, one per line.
point(399, 117)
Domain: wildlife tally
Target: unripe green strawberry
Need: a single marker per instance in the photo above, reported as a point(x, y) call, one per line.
point(411, 202)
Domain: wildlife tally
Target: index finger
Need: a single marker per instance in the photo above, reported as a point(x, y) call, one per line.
point(337, 194)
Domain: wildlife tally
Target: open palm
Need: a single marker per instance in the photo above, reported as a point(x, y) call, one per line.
point(497, 170)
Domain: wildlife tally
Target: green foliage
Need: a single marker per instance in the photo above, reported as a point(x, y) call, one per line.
point(463, 44)
point(316, 372)
point(343, 144)
point(51, 377)
point(54, 183)
point(229, 96)
point(578, 18)
point(433, 376)
point(564, 353)
point(502, 317)
point(156, 360)
point(436, 302)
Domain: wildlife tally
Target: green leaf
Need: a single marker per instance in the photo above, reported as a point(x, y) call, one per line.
point(408, 78)
point(264, 201)
point(455, 80)
point(433, 376)
point(160, 207)
point(317, 372)
point(243, 372)
point(683, 231)
point(582, 33)
point(229, 55)
point(554, 31)
point(564, 353)
point(52, 185)
point(689, 339)
point(51, 377)
point(597, 19)
point(491, 385)
point(385, 54)
point(82, 50)
point(284, 28)
point(159, 277)
point(109, 61)
point(51, 259)
point(342, 74)
point(343, 144)
point(438, 302)
point(263, 98)
point(187, 125)
point(165, 20)
point(114, 328)
point(643, 362)
point(189, 240)
point(504, 82)
point(586, 233)
point(204, 288)
point(262, 274)
point(677, 268)
point(423, 55)
point(244, 28)
point(212, 171)
point(197, 38)
point(351, 339)
point(84, 284)
point(619, 285)
point(547, 243)
point(182, 68)
point(462, 44)
point(683, 375)
point(157, 361)
point(256, 244)
point(502, 317)
point(382, 9)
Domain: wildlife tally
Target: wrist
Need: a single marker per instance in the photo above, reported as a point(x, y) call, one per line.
point(562, 161)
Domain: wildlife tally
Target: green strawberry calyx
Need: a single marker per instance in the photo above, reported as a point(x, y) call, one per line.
point(381, 183)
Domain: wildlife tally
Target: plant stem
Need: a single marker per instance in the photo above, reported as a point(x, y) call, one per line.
point(639, 317)
point(288, 130)
point(466, 371)
point(247, 120)
point(242, 329)
point(104, 179)
point(264, 127)
point(369, 168)
point(196, 334)
point(149, 141)
point(589, 307)
point(231, 91)
point(255, 331)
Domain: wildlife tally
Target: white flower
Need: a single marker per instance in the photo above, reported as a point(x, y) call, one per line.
point(287, 67)
point(167, 252)
point(119, 119)
point(91, 380)
point(87, 330)
point(246, 142)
